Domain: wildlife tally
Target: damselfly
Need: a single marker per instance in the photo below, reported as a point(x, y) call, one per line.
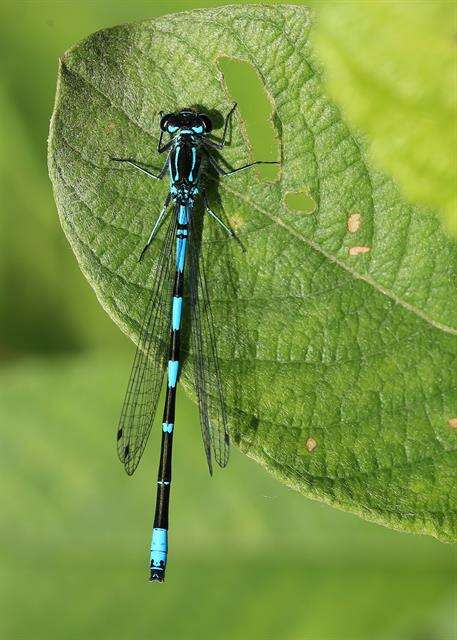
point(189, 153)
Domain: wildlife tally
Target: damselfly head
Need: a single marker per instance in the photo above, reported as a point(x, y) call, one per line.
point(186, 119)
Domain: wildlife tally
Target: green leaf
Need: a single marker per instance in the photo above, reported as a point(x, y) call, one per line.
point(337, 329)
point(392, 67)
point(72, 518)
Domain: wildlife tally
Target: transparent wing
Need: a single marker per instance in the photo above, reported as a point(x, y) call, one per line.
point(213, 417)
point(149, 364)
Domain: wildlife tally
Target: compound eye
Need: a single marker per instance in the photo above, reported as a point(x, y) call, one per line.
point(168, 123)
point(206, 123)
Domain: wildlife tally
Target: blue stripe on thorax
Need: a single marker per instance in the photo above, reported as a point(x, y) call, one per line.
point(194, 160)
point(177, 151)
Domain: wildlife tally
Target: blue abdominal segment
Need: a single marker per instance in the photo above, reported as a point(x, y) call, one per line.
point(173, 367)
point(181, 243)
point(176, 313)
point(159, 549)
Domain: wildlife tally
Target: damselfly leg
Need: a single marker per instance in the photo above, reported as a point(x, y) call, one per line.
point(222, 172)
point(216, 217)
point(157, 226)
point(143, 168)
point(220, 144)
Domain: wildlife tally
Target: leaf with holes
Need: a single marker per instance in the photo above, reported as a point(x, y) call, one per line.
point(336, 330)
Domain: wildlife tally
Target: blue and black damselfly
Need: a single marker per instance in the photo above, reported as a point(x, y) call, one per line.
point(189, 153)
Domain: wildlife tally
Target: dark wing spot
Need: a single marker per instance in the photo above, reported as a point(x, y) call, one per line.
point(120, 433)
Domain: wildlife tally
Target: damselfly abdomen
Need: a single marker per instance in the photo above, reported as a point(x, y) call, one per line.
point(189, 149)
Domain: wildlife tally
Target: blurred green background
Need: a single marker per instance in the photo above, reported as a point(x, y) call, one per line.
point(249, 558)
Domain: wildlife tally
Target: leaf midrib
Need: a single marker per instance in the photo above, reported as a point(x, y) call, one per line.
point(355, 274)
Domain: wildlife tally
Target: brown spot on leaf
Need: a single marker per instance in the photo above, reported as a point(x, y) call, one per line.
point(236, 222)
point(354, 222)
point(355, 251)
point(452, 422)
point(311, 444)
point(110, 126)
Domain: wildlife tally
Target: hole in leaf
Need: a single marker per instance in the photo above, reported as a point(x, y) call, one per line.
point(256, 109)
point(300, 201)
